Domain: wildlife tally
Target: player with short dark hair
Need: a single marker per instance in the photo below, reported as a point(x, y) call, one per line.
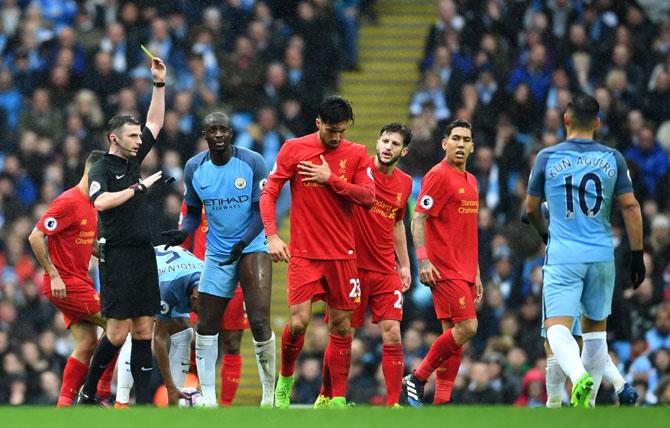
point(63, 241)
point(226, 180)
point(328, 175)
point(444, 229)
point(380, 238)
point(580, 178)
point(129, 290)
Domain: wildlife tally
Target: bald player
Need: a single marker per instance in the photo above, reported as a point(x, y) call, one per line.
point(227, 181)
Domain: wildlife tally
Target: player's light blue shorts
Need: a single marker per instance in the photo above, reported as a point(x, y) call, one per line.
point(218, 280)
point(576, 326)
point(576, 289)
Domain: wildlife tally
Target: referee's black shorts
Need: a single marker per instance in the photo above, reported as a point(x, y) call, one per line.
point(129, 282)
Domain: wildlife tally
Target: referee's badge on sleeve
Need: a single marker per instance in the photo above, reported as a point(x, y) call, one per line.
point(94, 188)
point(262, 183)
point(165, 308)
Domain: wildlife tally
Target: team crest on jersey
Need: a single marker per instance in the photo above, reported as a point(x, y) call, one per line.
point(165, 308)
point(461, 190)
point(240, 183)
point(426, 202)
point(262, 183)
point(83, 222)
point(50, 224)
point(398, 197)
point(95, 187)
point(343, 166)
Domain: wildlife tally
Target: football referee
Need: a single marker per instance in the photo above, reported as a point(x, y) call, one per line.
point(129, 291)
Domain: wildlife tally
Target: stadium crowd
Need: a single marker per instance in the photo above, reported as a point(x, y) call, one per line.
point(507, 67)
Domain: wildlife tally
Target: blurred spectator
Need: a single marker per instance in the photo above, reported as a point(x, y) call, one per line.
point(659, 336)
point(652, 160)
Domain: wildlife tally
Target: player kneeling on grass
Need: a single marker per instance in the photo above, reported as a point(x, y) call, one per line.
point(178, 275)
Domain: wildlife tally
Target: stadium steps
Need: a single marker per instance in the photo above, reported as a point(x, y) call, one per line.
point(388, 56)
point(389, 53)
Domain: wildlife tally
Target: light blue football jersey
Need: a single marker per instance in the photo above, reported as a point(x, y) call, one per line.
point(227, 192)
point(579, 180)
point(178, 272)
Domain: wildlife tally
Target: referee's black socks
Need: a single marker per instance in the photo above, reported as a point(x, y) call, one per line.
point(103, 355)
point(141, 368)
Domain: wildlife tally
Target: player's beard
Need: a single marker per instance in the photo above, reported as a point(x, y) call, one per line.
point(393, 160)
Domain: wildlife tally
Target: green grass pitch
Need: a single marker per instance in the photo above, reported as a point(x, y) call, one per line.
point(363, 417)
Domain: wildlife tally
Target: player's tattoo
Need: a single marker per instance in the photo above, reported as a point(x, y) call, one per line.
point(419, 230)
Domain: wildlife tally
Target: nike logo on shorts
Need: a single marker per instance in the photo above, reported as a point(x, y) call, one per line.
point(145, 369)
point(119, 177)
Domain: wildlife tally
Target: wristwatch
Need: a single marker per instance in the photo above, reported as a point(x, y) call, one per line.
point(159, 84)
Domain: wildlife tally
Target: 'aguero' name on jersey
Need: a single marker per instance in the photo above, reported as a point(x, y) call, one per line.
point(178, 272)
point(227, 192)
point(579, 179)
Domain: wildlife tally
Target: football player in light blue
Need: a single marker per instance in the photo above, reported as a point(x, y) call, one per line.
point(227, 181)
point(580, 178)
point(178, 278)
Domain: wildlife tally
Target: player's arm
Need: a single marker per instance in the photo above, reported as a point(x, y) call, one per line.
point(189, 222)
point(255, 226)
point(38, 242)
point(533, 207)
point(427, 271)
point(400, 247)
point(156, 112)
point(533, 203)
point(280, 174)
point(479, 287)
point(632, 218)
point(162, 329)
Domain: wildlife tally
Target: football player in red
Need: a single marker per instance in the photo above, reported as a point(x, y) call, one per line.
point(328, 176)
point(444, 229)
point(62, 241)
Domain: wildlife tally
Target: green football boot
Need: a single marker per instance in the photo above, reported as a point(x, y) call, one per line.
point(283, 391)
point(581, 391)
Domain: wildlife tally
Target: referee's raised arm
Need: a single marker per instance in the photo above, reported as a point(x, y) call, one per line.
point(156, 112)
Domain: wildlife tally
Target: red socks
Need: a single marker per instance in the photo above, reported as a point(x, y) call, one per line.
point(338, 354)
point(444, 347)
point(104, 390)
point(326, 384)
point(74, 375)
point(446, 374)
point(290, 349)
point(231, 367)
point(393, 365)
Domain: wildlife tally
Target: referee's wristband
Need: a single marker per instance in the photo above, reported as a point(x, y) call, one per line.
point(421, 253)
point(159, 84)
point(139, 188)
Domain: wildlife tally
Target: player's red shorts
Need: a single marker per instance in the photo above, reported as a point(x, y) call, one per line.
point(454, 300)
point(334, 281)
point(82, 301)
point(382, 292)
point(235, 317)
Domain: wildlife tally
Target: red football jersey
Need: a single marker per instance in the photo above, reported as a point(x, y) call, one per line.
point(321, 219)
point(374, 227)
point(451, 200)
point(199, 236)
point(71, 224)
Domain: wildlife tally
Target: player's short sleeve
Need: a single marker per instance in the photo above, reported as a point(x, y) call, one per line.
point(191, 198)
point(168, 304)
point(57, 217)
point(98, 181)
point(536, 180)
point(432, 197)
point(259, 171)
point(148, 141)
point(623, 183)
